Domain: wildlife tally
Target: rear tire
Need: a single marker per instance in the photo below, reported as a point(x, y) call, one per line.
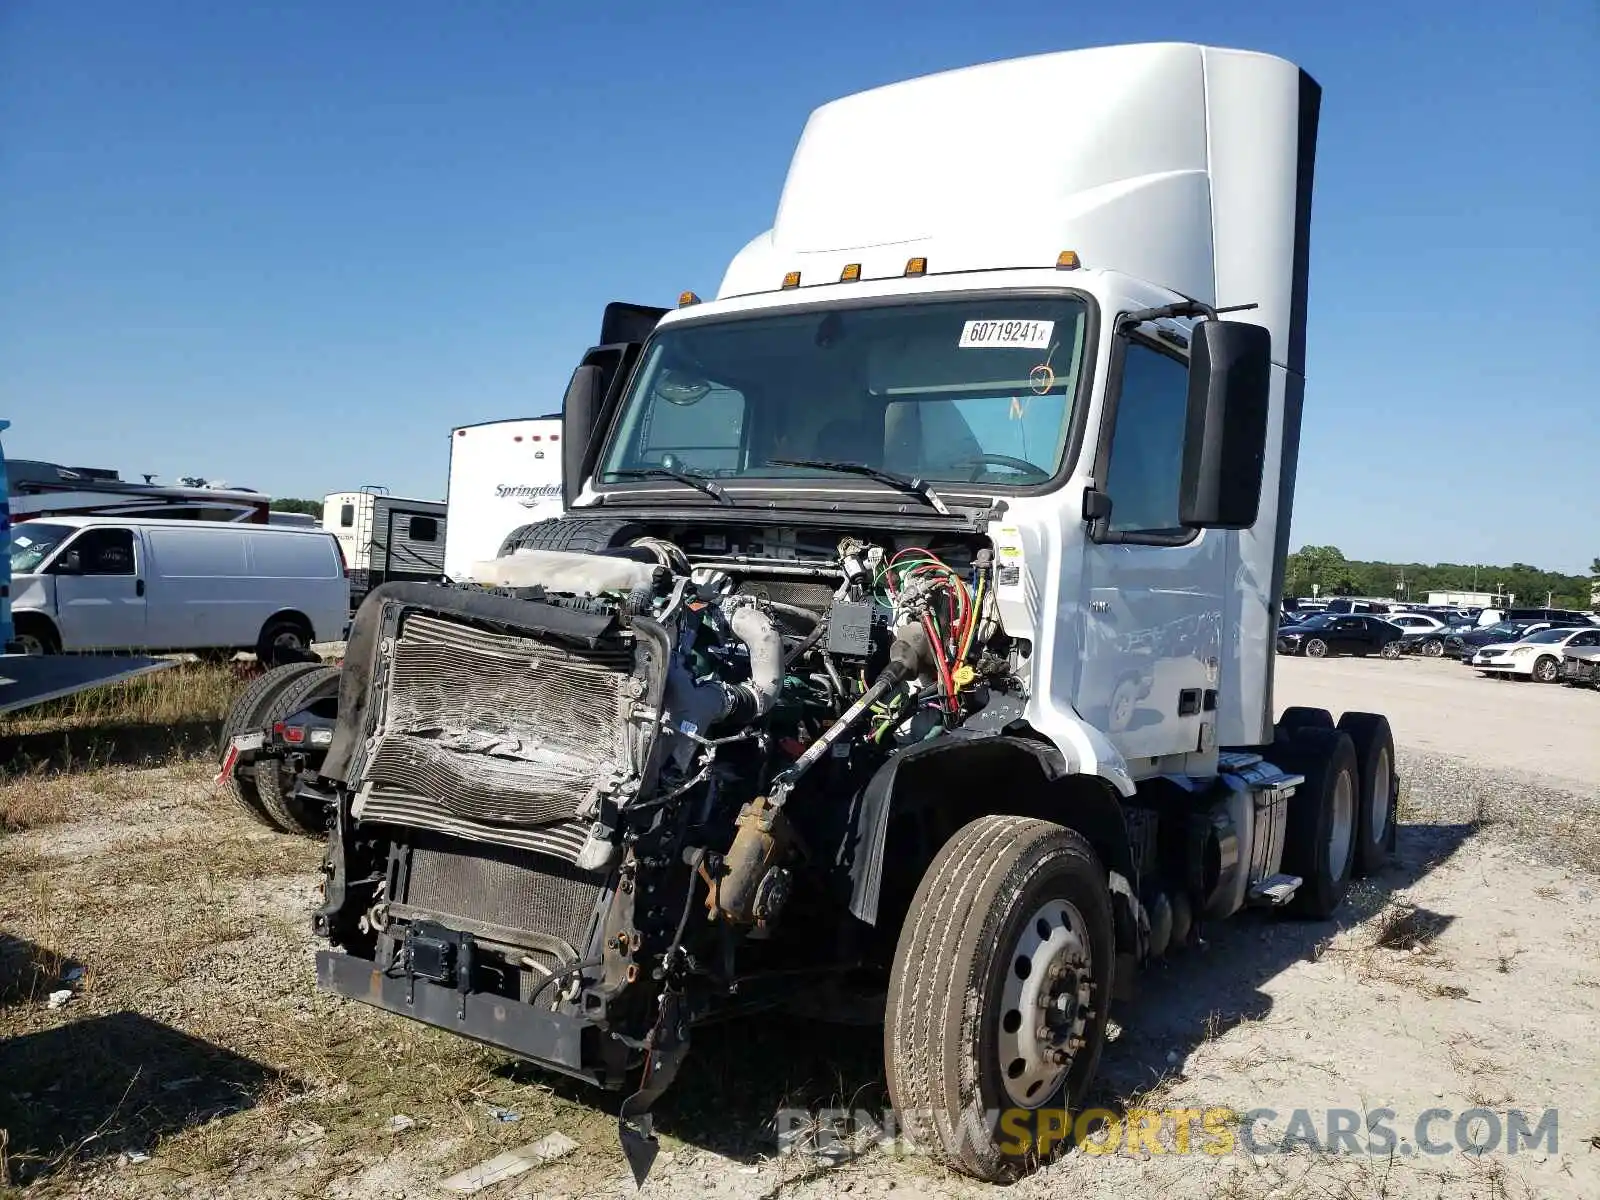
point(285, 640)
point(274, 782)
point(1378, 800)
point(1297, 717)
point(1320, 839)
point(998, 996)
point(242, 716)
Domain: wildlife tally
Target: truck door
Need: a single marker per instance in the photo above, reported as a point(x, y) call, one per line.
point(1153, 589)
point(100, 591)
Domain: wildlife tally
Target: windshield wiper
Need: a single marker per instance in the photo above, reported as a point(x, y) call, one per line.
point(699, 482)
point(903, 483)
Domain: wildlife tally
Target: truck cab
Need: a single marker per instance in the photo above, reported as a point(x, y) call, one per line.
point(908, 627)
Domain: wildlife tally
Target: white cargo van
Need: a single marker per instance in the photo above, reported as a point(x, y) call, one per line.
point(99, 583)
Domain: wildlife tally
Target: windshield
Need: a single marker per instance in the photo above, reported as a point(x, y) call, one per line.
point(32, 542)
point(1550, 635)
point(976, 390)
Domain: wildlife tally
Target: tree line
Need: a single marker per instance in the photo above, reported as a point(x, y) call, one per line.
point(1336, 575)
point(314, 507)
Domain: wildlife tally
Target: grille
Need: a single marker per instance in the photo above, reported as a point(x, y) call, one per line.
point(483, 731)
point(511, 889)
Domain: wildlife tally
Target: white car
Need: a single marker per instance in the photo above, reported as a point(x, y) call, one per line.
point(1537, 655)
point(1415, 622)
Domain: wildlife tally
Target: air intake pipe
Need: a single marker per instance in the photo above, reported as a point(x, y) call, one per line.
point(910, 657)
point(749, 701)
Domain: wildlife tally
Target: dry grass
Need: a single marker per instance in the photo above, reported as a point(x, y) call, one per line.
point(47, 752)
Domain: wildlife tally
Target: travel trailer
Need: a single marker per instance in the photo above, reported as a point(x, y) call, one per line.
point(503, 475)
point(386, 538)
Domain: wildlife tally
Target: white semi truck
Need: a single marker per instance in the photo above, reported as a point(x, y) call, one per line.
point(908, 630)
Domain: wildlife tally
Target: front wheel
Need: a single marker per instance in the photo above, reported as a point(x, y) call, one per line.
point(1546, 669)
point(1433, 650)
point(1316, 648)
point(997, 999)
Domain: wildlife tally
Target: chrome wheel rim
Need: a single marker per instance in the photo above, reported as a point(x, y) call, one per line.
point(1046, 1004)
point(1378, 813)
point(1544, 670)
point(1316, 648)
point(1341, 825)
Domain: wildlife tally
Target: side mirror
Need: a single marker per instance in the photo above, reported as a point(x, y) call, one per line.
point(70, 563)
point(580, 413)
point(1225, 439)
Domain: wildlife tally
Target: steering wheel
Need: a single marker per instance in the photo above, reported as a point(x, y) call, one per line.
point(1021, 465)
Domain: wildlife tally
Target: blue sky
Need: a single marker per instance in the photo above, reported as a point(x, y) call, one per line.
point(290, 246)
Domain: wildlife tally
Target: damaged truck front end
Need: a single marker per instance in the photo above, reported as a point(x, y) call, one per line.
point(551, 830)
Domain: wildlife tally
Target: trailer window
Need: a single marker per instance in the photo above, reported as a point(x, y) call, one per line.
point(424, 529)
point(347, 515)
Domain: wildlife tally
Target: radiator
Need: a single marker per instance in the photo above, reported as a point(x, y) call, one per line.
point(496, 737)
point(500, 891)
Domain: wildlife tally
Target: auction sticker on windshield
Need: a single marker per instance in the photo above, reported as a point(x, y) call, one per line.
point(1024, 335)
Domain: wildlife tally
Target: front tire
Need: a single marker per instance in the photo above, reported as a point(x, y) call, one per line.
point(997, 999)
point(1316, 648)
point(1546, 669)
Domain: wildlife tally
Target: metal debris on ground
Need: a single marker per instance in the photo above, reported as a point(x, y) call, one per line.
point(504, 1115)
point(58, 999)
point(399, 1123)
point(510, 1164)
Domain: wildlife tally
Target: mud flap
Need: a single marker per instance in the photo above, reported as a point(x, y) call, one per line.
point(665, 1050)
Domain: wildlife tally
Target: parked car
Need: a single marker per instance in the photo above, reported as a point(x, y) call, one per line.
point(103, 583)
point(1341, 633)
point(1557, 616)
point(1580, 664)
point(1415, 622)
point(1464, 645)
point(1536, 656)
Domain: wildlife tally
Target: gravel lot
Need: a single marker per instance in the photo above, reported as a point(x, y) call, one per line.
point(195, 1056)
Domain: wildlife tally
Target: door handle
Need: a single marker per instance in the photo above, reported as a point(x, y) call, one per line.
point(138, 587)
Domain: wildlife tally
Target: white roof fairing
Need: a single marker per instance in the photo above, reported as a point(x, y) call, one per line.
point(1171, 162)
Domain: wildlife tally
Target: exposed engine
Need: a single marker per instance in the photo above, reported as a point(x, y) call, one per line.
point(611, 784)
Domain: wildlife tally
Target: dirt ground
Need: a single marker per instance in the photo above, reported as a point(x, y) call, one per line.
point(196, 1058)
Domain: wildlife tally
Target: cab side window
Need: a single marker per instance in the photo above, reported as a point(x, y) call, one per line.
point(100, 552)
point(1146, 459)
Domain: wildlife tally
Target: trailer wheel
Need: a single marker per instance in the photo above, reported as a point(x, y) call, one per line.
point(1320, 839)
point(998, 995)
point(241, 717)
point(588, 535)
point(1297, 717)
point(1375, 828)
point(274, 782)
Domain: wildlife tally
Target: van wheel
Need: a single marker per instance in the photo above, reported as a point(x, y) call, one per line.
point(1320, 838)
point(242, 716)
point(1375, 828)
point(37, 636)
point(274, 781)
point(999, 992)
point(284, 640)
